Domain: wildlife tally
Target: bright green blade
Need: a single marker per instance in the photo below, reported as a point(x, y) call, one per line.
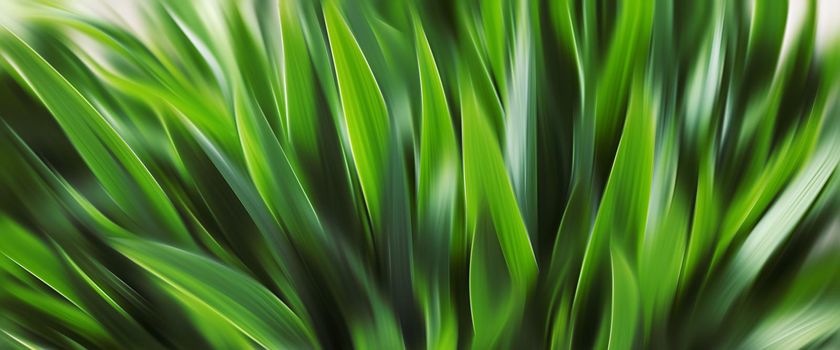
point(112, 161)
point(502, 262)
point(363, 107)
point(244, 303)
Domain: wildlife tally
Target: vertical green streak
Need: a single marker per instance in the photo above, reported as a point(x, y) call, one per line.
point(625, 302)
point(301, 118)
point(364, 109)
point(502, 262)
point(494, 23)
point(437, 189)
point(627, 54)
point(622, 215)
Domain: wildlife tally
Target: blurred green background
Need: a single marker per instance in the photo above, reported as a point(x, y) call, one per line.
point(371, 174)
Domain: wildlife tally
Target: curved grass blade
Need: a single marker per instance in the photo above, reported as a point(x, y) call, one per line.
point(437, 189)
point(627, 55)
point(243, 302)
point(660, 263)
point(117, 167)
point(622, 213)
point(56, 313)
point(34, 256)
point(774, 228)
point(502, 263)
point(273, 174)
point(625, 302)
point(364, 110)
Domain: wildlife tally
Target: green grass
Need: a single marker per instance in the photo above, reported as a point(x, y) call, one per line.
point(419, 174)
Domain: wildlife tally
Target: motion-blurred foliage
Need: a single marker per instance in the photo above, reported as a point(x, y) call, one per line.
point(418, 174)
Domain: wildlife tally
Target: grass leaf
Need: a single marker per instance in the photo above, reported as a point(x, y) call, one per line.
point(244, 303)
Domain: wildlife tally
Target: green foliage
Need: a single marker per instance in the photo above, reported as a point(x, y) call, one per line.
point(419, 174)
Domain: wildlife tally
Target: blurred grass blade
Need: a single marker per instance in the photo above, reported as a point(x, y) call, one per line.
point(241, 301)
point(36, 258)
point(521, 122)
point(796, 330)
point(364, 109)
point(502, 262)
point(622, 214)
point(628, 49)
point(273, 174)
point(293, 174)
point(112, 161)
point(437, 189)
point(625, 302)
point(299, 82)
point(775, 227)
